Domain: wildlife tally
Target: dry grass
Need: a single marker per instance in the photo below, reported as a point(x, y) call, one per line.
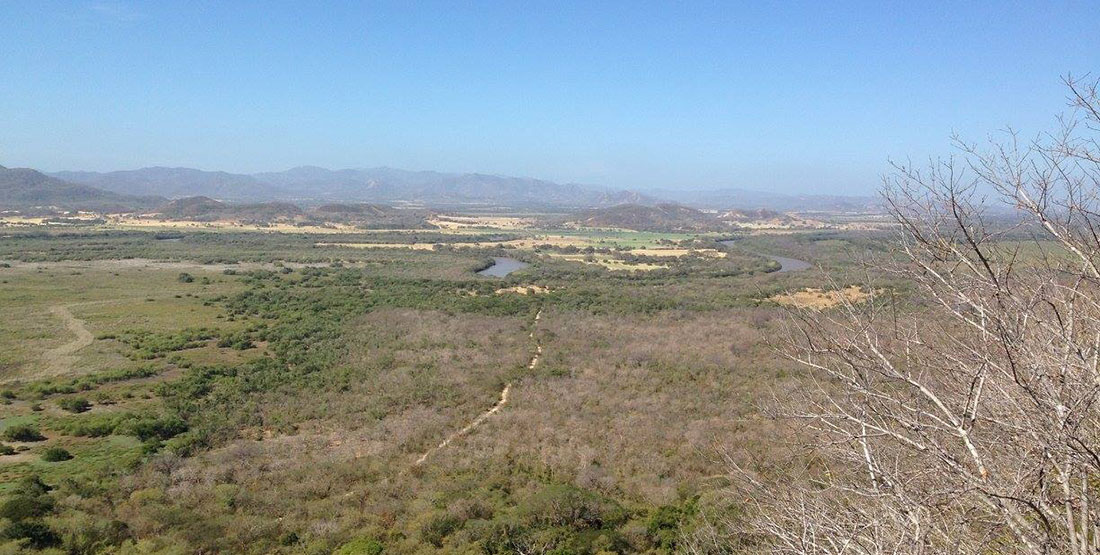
point(412, 246)
point(676, 253)
point(491, 222)
point(608, 262)
point(137, 222)
point(819, 299)
point(524, 290)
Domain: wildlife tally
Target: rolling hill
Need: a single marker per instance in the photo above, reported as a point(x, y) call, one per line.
point(659, 217)
point(207, 209)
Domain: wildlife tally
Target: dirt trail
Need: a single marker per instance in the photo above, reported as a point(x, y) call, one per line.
point(61, 359)
point(495, 408)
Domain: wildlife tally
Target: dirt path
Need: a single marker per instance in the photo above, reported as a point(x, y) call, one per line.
point(61, 359)
point(495, 408)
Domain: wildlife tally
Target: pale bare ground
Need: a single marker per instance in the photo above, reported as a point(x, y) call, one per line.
point(446, 221)
point(61, 359)
point(676, 253)
point(481, 418)
point(524, 290)
point(526, 243)
point(413, 246)
point(136, 222)
point(820, 299)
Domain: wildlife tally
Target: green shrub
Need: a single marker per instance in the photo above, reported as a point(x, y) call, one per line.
point(21, 506)
point(6, 449)
point(37, 534)
point(185, 277)
point(74, 404)
point(23, 432)
point(360, 546)
point(56, 454)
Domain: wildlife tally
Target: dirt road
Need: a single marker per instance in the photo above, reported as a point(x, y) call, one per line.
point(495, 408)
point(61, 359)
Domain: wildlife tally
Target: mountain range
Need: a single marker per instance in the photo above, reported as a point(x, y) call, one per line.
point(311, 185)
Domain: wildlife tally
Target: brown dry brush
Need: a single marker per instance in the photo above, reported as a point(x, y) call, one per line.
point(967, 423)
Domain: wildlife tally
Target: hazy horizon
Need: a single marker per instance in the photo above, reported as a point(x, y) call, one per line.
point(796, 99)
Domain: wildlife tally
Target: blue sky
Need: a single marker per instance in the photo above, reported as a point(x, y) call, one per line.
point(790, 97)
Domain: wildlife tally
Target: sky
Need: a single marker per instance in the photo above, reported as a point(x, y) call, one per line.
point(789, 97)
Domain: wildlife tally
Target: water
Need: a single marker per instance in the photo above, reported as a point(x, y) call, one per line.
point(785, 264)
point(502, 266)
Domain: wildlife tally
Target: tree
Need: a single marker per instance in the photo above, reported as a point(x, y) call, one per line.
point(967, 420)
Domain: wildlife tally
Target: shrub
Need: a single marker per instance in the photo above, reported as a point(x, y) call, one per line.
point(185, 278)
point(438, 527)
point(6, 449)
point(74, 404)
point(20, 507)
point(37, 534)
point(23, 432)
point(570, 506)
point(360, 546)
point(56, 454)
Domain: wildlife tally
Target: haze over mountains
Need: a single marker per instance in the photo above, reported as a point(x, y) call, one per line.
point(310, 185)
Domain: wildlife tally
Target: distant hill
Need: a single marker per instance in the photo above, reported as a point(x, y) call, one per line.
point(372, 216)
point(659, 217)
point(311, 184)
point(367, 216)
point(207, 209)
point(24, 188)
point(438, 189)
point(176, 183)
point(724, 199)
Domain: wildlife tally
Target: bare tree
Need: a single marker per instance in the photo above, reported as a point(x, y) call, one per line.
point(965, 421)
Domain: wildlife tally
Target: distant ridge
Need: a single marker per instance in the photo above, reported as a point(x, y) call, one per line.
point(24, 188)
point(313, 185)
point(732, 198)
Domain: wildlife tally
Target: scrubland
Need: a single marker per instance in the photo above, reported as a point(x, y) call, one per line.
point(262, 393)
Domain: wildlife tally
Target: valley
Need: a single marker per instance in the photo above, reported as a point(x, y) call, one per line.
point(438, 388)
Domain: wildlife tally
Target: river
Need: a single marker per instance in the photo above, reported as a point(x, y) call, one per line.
point(502, 266)
point(785, 264)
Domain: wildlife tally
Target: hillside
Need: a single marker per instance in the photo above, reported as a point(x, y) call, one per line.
point(659, 217)
point(24, 188)
point(372, 216)
point(207, 209)
point(366, 216)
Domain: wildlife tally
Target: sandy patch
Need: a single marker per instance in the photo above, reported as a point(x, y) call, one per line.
point(524, 290)
point(61, 359)
point(412, 246)
point(676, 253)
point(820, 299)
point(494, 222)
